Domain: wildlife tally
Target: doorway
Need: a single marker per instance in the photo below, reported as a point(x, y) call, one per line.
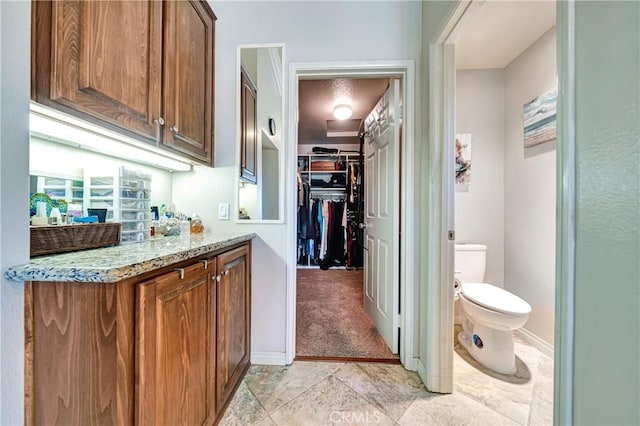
point(348, 187)
point(404, 72)
point(517, 82)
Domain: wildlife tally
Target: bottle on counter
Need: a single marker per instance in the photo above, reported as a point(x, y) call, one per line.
point(185, 227)
point(196, 224)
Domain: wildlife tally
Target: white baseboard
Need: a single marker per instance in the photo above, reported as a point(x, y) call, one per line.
point(421, 369)
point(535, 341)
point(268, 358)
point(411, 364)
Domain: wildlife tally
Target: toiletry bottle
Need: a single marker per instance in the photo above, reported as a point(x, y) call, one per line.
point(55, 218)
point(185, 228)
point(196, 224)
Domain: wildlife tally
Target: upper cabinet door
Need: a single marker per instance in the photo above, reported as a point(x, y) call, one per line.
point(189, 78)
point(100, 58)
point(248, 128)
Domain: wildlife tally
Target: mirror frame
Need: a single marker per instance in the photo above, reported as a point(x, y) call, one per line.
point(279, 126)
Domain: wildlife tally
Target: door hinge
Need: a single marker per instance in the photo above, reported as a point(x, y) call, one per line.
point(452, 235)
point(399, 318)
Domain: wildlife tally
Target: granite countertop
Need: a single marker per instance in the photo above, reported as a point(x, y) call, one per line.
point(112, 264)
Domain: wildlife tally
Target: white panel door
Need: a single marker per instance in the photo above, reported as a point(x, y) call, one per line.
point(382, 200)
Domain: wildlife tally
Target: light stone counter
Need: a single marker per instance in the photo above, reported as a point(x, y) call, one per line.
point(112, 264)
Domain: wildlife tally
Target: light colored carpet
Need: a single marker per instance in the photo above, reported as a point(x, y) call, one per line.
point(331, 321)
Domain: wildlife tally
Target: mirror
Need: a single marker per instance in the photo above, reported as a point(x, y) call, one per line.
point(261, 133)
point(58, 187)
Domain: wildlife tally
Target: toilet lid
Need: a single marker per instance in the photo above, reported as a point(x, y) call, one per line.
point(495, 298)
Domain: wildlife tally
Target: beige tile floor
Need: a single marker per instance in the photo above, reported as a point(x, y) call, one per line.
point(317, 393)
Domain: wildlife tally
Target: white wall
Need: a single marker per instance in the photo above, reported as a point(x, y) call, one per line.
point(607, 290)
point(271, 163)
point(14, 198)
point(311, 31)
point(269, 105)
point(480, 210)
point(530, 195)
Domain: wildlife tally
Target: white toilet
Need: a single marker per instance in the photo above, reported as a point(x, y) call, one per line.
point(490, 313)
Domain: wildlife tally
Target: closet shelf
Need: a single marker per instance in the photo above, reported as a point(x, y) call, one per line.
point(323, 183)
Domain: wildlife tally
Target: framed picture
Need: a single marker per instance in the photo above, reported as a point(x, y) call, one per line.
point(463, 158)
point(540, 119)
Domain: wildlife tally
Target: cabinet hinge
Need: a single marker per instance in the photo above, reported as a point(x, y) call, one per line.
point(452, 235)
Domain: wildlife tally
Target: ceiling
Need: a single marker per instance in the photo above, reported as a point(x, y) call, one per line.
point(316, 99)
point(497, 34)
point(501, 30)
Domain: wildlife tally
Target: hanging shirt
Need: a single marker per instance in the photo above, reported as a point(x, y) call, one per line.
point(352, 184)
point(300, 189)
point(325, 224)
point(344, 226)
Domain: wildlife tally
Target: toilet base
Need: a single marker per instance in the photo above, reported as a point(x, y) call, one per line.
point(492, 348)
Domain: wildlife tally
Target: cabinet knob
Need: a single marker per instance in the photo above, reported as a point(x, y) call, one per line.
point(218, 278)
point(174, 129)
point(226, 272)
point(159, 121)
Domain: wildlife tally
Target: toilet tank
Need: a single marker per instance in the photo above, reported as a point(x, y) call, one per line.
point(470, 261)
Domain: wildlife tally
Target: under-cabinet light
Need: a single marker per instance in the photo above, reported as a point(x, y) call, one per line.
point(53, 125)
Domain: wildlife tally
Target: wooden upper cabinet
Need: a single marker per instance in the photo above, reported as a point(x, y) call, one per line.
point(102, 59)
point(175, 331)
point(131, 65)
point(189, 78)
point(248, 127)
point(233, 321)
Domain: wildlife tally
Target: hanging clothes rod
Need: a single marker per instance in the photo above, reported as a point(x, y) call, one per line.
point(337, 196)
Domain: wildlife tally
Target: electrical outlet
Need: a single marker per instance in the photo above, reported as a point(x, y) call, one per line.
point(223, 211)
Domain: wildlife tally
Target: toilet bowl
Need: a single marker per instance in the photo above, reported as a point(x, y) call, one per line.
point(490, 313)
point(490, 316)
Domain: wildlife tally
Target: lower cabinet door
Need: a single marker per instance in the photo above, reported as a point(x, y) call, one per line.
point(233, 321)
point(174, 348)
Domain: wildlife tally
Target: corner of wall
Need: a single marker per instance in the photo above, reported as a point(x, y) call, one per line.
point(14, 191)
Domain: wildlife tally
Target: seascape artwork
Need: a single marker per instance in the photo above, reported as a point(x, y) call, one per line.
point(463, 158)
point(540, 119)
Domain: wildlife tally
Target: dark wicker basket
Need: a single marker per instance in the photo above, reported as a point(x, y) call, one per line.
point(64, 238)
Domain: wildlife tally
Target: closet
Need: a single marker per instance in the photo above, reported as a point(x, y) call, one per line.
point(332, 264)
point(330, 205)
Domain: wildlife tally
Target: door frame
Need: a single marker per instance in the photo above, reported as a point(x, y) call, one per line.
point(439, 373)
point(409, 263)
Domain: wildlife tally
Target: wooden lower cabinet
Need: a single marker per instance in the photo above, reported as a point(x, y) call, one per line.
point(167, 348)
point(176, 327)
point(234, 322)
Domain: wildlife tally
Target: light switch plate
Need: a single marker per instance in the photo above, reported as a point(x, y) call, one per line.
point(223, 211)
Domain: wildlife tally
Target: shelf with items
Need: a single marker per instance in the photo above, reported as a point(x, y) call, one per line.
point(326, 181)
point(69, 190)
point(325, 177)
point(326, 172)
point(325, 162)
point(126, 194)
